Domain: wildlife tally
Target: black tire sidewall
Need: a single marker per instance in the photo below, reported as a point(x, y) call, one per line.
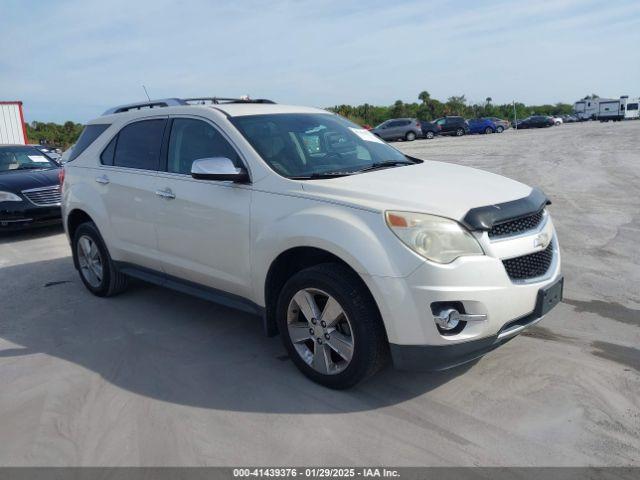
point(359, 308)
point(459, 132)
point(90, 230)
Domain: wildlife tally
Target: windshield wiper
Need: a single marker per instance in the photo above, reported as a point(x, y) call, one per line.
point(320, 175)
point(385, 164)
point(32, 167)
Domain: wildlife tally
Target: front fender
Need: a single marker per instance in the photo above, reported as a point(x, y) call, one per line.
point(358, 237)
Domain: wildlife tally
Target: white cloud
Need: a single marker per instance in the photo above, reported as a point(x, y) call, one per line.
point(75, 58)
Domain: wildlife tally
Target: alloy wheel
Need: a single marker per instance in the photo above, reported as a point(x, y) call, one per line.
point(90, 261)
point(320, 331)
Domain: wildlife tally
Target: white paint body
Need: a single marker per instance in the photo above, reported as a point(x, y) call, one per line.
point(226, 236)
point(12, 130)
point(631, 107)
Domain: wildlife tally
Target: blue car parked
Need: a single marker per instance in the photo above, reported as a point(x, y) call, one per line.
point(481, 125)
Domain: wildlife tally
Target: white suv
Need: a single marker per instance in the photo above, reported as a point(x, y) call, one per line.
point(349, 249)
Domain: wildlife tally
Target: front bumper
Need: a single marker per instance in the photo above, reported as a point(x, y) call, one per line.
point(18, 216)
point(480, 285)
point(432, 358)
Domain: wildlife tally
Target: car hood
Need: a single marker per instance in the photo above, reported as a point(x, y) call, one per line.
point(18, 180)
point(437, 188)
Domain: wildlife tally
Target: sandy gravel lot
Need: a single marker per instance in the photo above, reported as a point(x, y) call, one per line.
point(153, 377)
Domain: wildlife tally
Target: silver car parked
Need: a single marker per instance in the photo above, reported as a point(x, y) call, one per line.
point(399, 129)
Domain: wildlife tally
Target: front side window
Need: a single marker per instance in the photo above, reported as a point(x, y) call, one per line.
point(308, 145)
point(138, 145)
point(632, 106)
point(194, 139)
point(24, 158)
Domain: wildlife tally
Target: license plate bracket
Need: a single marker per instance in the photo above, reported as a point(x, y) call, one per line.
point(549, 297)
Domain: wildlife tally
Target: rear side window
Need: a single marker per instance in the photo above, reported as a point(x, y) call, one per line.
point(87, 137)
point(632, 106)
point(138, 145)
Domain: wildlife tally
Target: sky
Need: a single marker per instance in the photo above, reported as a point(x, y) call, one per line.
point(73, 59)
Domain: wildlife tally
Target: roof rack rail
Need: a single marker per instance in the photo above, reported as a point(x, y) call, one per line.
point(219, 100)
point(165, 102)
point(174, 102)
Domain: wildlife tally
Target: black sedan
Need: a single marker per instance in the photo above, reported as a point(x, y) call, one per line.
point(535, 121)
point(29, 188)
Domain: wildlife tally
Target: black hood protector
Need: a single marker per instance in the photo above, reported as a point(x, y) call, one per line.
point(483, 218)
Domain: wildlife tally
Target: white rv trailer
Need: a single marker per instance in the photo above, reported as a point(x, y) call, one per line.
point(630, 107)
point(12, 128)
point(610, 110)
point(588, 108)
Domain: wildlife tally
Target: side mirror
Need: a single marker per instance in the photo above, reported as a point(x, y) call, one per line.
point(218, 168)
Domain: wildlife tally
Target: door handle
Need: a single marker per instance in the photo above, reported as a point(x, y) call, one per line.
point(103, 180)
point(166, 193)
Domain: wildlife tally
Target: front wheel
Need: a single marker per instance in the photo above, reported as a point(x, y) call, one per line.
point(429, 135)
point(488, 130)
point(331, 327)
point(410, 137)
point(459, 132)
point(93, 262)
point(500, 129)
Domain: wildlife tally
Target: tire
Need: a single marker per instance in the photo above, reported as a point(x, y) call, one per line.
point(410, 136)
point(488, 130)
point(110, 281)
point(429, 135)
point(500, 129)
point(459, 132)
point(358, 324)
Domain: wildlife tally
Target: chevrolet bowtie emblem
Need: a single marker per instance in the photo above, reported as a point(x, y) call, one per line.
point(541, 240)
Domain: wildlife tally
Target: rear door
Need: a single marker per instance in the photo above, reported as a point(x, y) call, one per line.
point(127, 180)
point(203, 225)
point(392, 130)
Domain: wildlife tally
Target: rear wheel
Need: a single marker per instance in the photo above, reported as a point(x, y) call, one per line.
point(500, 129)
point(94, 264)
point(459, 132)
point(410, 136)
point(331, 327)
point(429, 135)
point(488, 130)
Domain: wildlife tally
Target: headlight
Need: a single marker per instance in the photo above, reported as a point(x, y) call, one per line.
point(9, 197)
point(436, 238)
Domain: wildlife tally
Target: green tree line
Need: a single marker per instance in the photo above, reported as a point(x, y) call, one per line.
point(54, 134)
point(428, 108)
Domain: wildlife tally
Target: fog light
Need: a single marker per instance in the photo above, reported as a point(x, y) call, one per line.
point(447, 319)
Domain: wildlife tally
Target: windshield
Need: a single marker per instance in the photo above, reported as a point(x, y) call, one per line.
point(23, 158)
point(302, 145)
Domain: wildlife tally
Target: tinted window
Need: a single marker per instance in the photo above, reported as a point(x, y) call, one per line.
point(107, 154)
point(301, 145)
point(194, 139)
point(394, 124)
point(632, 106)
point(139, 144)
point(87, 137)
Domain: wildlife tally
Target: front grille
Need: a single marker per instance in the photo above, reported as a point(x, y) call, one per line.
point(529, 266)
point(519, 225)
point(44, 197)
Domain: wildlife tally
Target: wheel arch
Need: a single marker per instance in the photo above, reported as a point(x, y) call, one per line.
point(75, 218)
point(287, 264)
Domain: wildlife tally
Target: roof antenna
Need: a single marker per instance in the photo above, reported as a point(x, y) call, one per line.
point(146, 93)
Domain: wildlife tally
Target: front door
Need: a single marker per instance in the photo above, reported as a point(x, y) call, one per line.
point(203, 226)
